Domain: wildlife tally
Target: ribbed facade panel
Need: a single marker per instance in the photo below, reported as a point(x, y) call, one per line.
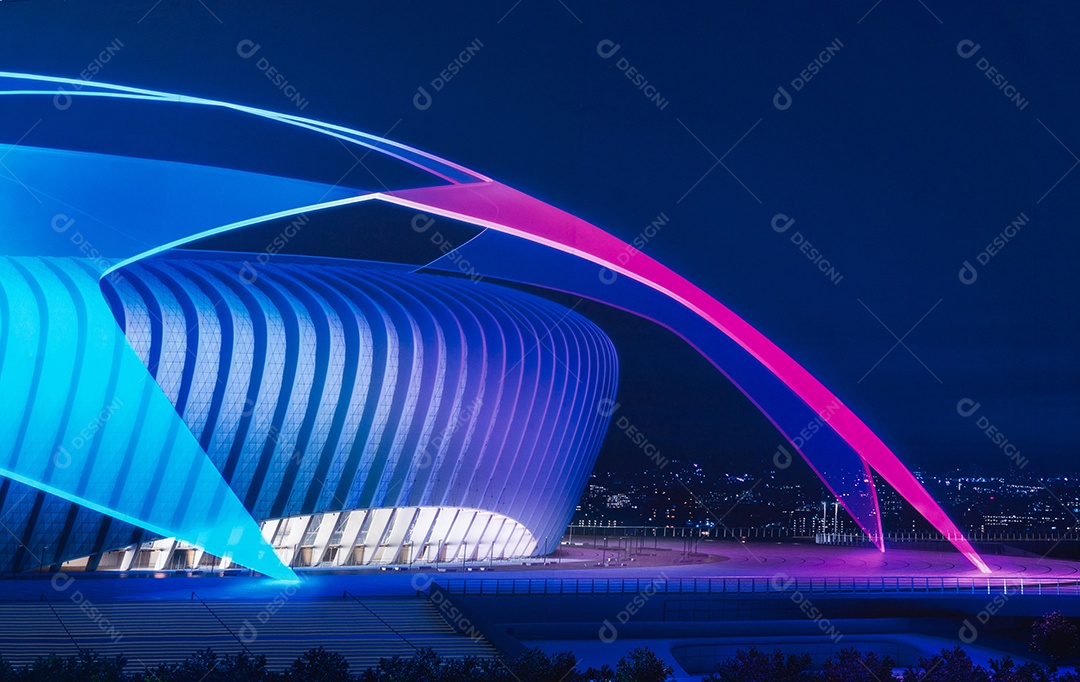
point(318, 387)
point(81, 418)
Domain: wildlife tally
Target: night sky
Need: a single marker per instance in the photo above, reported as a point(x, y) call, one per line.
point(898, 159)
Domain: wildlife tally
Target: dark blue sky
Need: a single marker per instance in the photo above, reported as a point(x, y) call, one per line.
point(899, 160)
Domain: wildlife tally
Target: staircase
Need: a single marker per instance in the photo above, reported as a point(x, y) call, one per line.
point(149, 632)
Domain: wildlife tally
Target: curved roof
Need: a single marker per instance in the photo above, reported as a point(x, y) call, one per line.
point(201, 201)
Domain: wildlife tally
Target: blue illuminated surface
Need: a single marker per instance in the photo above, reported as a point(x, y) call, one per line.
point(138, 457)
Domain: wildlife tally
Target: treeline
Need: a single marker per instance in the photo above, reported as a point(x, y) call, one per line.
point(641, 665)
point(1053, 638)
point(319, 665)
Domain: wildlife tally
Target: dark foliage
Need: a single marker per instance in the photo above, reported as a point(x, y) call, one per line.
point(1054, 637)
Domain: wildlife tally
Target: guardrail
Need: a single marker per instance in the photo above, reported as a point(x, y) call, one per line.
point(899, 538)
point(774, 585)
point(579, 532)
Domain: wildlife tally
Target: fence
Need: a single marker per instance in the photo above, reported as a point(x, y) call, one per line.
point(775, 585)
point(777, 531)
point(579, 532)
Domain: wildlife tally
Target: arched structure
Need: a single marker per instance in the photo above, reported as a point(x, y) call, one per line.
point(523, 239)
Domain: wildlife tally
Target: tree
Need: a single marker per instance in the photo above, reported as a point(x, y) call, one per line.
point(425, 665)
point(476, 669)
point(602, 674)
point(1006, 670)
point(241, 667)
point(947, 666)
point(86, 665)
point(1054, 637)
point(198, 666)
point(535, 665)
point(428, 666)
point(207, 666)
point(319, 665)
point(849, 665)
point(642, 665)
point(756, 666)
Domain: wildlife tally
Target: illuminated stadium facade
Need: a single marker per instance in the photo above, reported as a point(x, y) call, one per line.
point(220, 407)
point(363, 415)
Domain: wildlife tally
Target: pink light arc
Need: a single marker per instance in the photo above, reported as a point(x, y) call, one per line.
point(498, 207)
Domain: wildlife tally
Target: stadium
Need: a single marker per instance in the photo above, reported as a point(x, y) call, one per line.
point(189, 404)
point(365, 415)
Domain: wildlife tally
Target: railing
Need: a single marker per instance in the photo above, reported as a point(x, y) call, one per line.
point(62, 624)
point(774, 531)
point(775, 585)
point(222, 623)
point(580, 532)
point(897, 538)
point(345, 594)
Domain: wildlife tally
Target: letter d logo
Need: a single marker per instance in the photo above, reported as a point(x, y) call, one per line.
point(607, 48)
point(968, 274)
point(61, 100)
point(62, 459)
point(782, 459)
point(967, 48)
point(421, 582)
point(967, 633)
point(420, 222)
point(247, 48)
point(608, 633)
point(247, 273)
point(607, 407)
point(781, 100)
point(967, 407)
point(61, 223)
point(781, 581)
point(781, 223)
point(248, 632)
point(61, 581)
point(421, 100)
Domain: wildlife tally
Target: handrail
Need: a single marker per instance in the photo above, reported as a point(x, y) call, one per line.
point(227, 628)
point(346, 594)
point(579, 531)
point(62, 624)
point(759, 585)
